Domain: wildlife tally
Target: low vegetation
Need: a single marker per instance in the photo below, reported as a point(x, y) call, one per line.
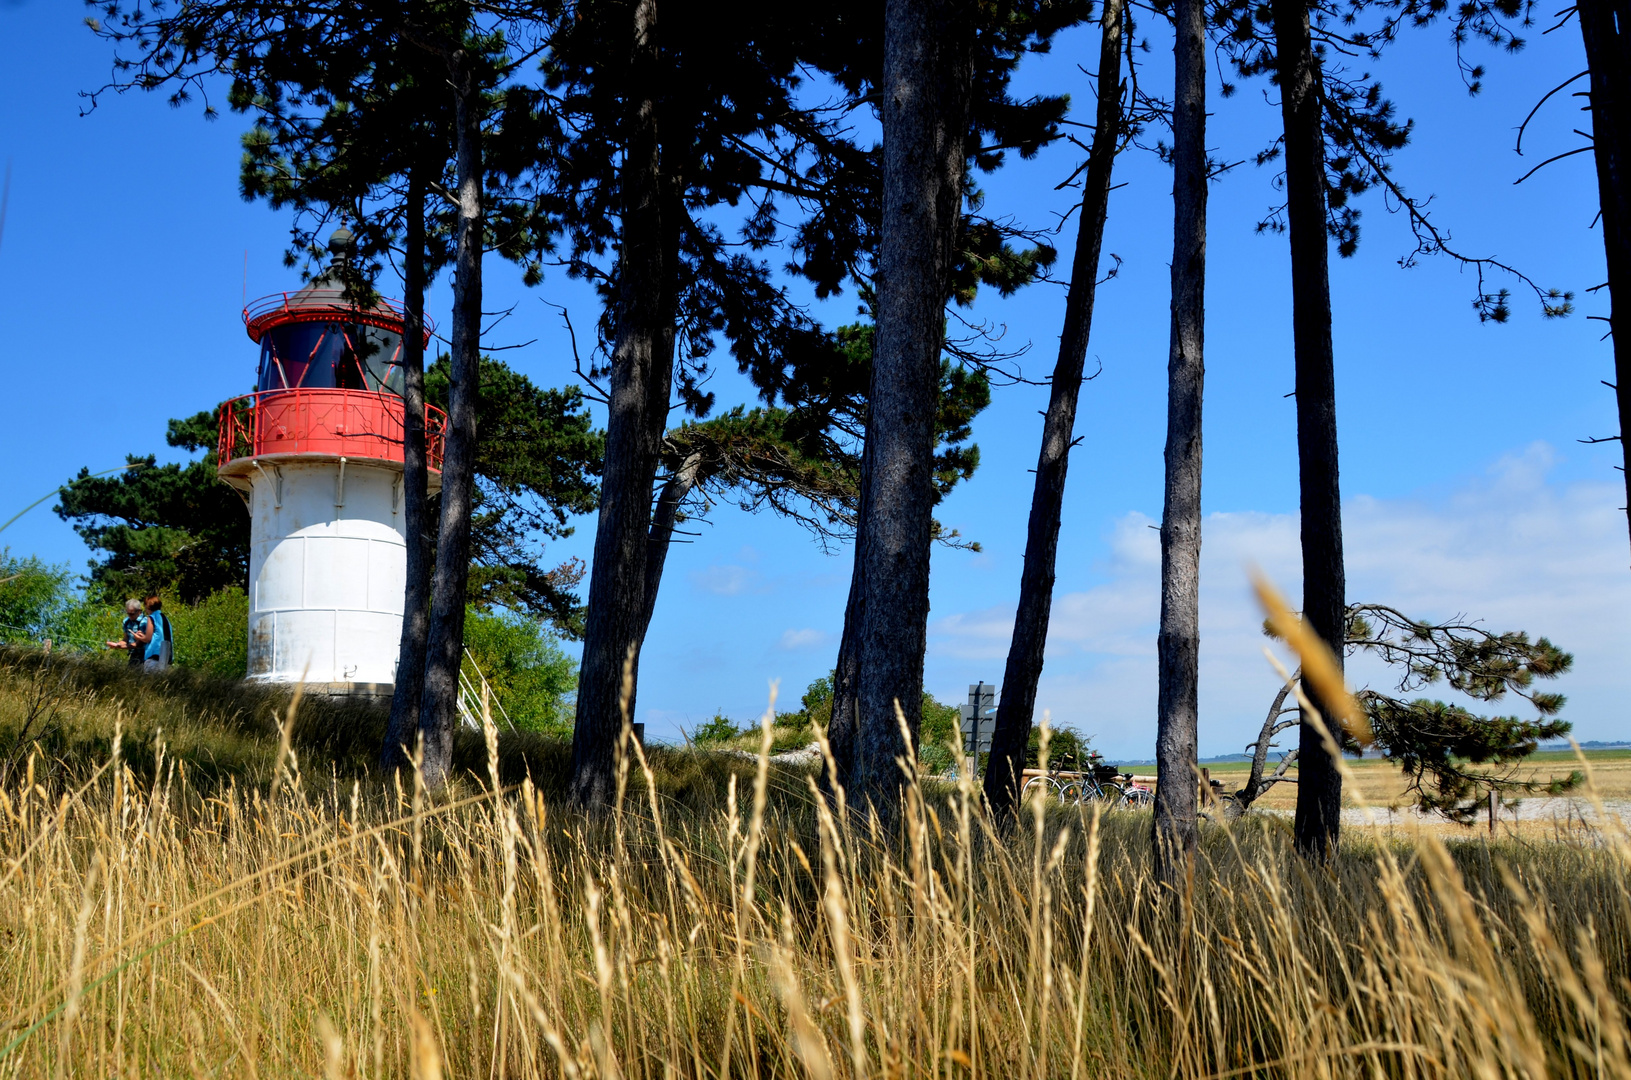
point(185, 892)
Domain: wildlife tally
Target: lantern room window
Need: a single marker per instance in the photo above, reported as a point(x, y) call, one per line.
point(330, 355)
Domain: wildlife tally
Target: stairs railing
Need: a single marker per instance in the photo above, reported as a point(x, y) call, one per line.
point(473, 691)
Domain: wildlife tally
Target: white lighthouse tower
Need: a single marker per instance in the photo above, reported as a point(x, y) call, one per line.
point(316, 451)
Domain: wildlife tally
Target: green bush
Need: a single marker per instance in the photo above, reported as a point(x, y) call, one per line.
point(817, 702)
point(942, 725)
point(87, 627)
point(213, 634)
point(1067, 749)
point(533, 679)
point(718, 730)
point(940, 722)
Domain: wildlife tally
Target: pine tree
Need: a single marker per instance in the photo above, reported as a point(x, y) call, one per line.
point(943, 91)
point(1449, 756)
point(1178, 643)
point(672, 117)
point(1012, 735)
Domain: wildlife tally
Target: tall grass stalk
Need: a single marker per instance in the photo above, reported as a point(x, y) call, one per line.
point(303, 924)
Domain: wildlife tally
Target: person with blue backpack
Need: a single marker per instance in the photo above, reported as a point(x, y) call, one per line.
point(155, 636)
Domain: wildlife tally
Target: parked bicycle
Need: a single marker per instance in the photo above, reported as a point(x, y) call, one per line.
point(1081, 788)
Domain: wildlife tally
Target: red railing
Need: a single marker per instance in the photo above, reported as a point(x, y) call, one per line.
point(339, 423)
point(323, 305)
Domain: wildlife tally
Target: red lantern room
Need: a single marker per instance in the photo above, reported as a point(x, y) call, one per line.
point(330, 377)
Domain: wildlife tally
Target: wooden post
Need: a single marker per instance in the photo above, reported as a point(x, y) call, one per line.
point(1494, 809)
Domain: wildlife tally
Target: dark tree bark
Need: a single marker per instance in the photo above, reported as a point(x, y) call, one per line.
point(675, 489)
point(926, 94)
point(1006, 765)
point(1178, 643)
point(1606, 27)
point(1319, 783)
point(842, 727)
point(642, 372)
point(410, 665)
point(438, 715)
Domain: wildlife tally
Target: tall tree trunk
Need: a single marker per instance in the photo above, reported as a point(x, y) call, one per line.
point(842, 727)
point(1606, 27)
point(410, 664)
point(1319, 783)
point(1025, 652)
point(679, 484)
point(637, 415)
point(438, 715)
point(927, 89)
point(1179, 642)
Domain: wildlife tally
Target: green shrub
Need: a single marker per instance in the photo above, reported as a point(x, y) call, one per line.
point(940, 722)
point(532, 677)
point(213, 634)
point(717, 730)
point(1067, 748)
point(942, 725)
point(817, 701)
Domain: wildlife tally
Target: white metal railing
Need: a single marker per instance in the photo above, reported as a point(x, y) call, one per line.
point(472, 693)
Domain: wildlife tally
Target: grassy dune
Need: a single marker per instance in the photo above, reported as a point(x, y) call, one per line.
point(284, 913)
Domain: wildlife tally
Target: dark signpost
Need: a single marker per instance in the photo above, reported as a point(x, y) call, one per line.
point(979, 721)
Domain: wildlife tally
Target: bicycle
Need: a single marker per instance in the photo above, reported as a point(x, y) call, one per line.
point(1135, 797)
point(1077, 789)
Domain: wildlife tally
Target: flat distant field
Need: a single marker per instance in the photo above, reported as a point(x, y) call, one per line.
point(1382, 784)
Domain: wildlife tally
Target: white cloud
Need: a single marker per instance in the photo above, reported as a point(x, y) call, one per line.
point(725, 579)
point(804, 639)
point(1509, 548)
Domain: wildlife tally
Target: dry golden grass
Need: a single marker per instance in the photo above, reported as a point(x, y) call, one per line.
point(160, 922)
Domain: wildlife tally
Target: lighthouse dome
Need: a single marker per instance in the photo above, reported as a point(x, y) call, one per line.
point(329, 334)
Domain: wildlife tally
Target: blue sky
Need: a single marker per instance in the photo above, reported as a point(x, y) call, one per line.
point(127, 254)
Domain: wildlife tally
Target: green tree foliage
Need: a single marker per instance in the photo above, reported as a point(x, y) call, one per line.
point(802, 460)
point(1067, 749)
point(213, 634)
point(940, 722)
point(817, 701)
point(531, 676)
point(1449, 754)
point(35, 596)
point(537, 456)
point(173, 528)
point(941, 727)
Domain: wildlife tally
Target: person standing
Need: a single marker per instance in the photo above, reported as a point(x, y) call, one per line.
point(136, 625)
point(158, 644)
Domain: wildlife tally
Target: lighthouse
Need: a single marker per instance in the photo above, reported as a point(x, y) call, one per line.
point(316, 453)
